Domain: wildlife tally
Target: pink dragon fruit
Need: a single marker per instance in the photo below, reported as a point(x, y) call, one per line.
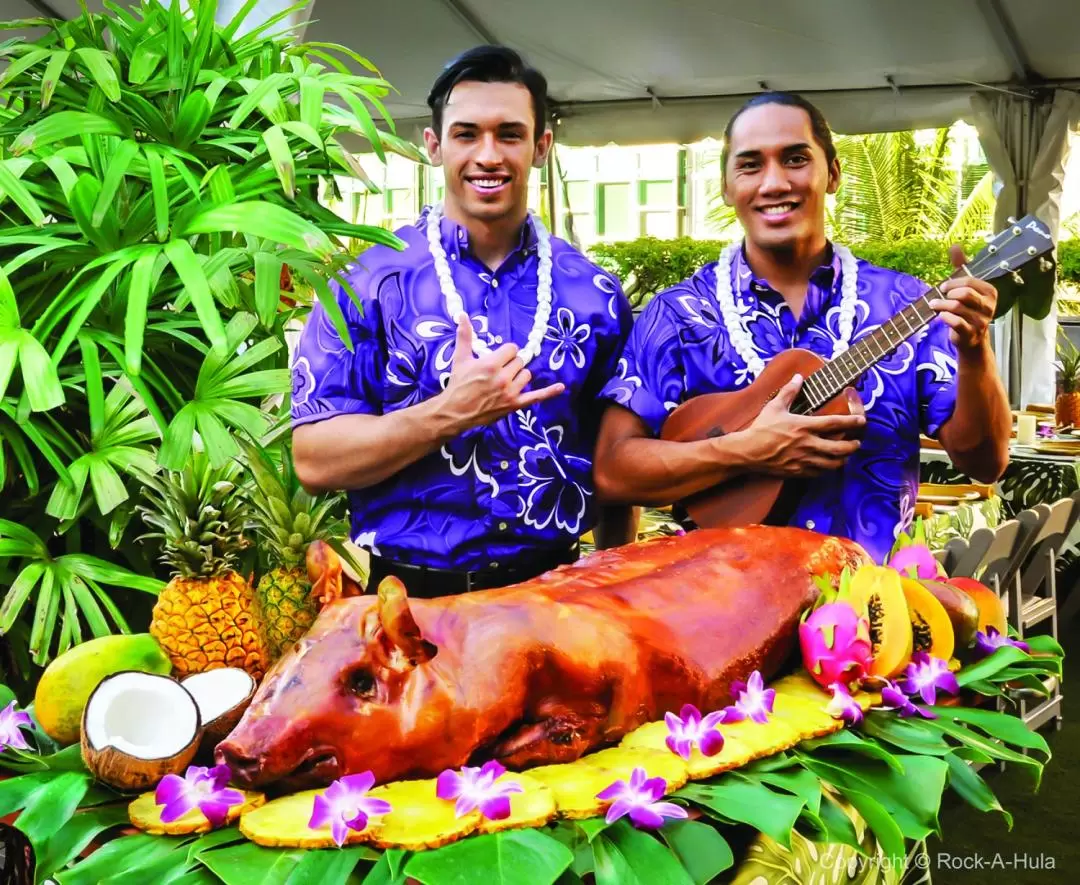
point(917, 561)
point(835, 644)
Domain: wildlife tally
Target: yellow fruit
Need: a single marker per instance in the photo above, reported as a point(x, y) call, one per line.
point(575, 786)
point(68, 681)
point(145, 814)
point(284, 823)
point(620, 763)
point(286, 608)
point(204, 623)
point(532, 808)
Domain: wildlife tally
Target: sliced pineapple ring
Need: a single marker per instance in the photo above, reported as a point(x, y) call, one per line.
point(533, 808)
point(283, 823)
point(621, 762)
point(575, 786)
point(145, 814)
point(418, 818)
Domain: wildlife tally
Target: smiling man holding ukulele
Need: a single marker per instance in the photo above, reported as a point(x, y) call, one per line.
point(787, 286)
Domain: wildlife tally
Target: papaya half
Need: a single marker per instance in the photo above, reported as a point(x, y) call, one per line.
point(931, 626)
point(876, 592)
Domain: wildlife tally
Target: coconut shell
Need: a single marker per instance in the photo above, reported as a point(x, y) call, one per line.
point(131, 773)
point(217, 729)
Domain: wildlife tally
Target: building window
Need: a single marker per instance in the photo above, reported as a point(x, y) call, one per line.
point(613, 208)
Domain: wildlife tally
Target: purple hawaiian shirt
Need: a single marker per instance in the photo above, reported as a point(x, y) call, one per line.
point(679, 348)
point(521, 485)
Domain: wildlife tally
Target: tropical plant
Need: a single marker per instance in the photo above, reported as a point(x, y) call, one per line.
point(160, 230)
point(1068, 365)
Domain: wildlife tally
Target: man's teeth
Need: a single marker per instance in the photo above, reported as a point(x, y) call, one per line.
point(778, 210)
point(489, 182)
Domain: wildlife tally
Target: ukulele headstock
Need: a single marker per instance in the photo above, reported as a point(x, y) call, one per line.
point(1011, 248)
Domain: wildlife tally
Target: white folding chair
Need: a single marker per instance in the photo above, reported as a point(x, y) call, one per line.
point(1034, 596)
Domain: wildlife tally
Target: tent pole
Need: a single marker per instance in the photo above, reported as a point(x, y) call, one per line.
point(552, 177)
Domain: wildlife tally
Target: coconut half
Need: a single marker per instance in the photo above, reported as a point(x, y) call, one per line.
point(139, 727)
point(222, 696)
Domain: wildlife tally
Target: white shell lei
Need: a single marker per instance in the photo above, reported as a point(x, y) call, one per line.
point(455, 306)
point(737, 332)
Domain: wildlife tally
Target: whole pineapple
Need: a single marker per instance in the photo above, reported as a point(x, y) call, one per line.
point(1067, 404)
point(205, 617)
point(287, 519)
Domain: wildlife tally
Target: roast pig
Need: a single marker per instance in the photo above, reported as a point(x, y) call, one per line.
point(539, 672)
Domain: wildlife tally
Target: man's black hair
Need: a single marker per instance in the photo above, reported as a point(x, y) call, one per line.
point(820, 127)
point(489, 64)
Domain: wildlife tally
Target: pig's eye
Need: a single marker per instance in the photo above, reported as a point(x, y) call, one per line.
point(361, 683)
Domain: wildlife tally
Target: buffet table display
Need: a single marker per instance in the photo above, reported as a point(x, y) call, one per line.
point(653, 704)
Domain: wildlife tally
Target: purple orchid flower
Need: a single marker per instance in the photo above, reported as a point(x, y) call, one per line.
point(1046, 431)
point(915, 561)
point(892, 698)
point(926, 676)
point(989, 642)
point(200, 787)
point(640, 799)
point(754, 700)
point(690, 729)
point(478, 788)
point(345, 806)
point(11, 721)
point(843, 705)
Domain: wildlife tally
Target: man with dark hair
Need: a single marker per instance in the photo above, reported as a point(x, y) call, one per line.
point(785, 285)
point(463, 419)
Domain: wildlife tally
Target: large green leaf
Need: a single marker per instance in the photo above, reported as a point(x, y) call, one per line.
point(701, 849)
point(514, 857)
point(626, 856)
point(66, 843)
point(52, 805)
point(739, 801)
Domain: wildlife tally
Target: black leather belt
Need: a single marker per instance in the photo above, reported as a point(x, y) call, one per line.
point(426, 582)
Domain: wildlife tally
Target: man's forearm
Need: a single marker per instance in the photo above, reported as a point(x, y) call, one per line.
point(357, 451)
point(976, 437)
point(655, 472)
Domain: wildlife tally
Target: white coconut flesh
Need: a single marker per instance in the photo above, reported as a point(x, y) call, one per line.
point(219, 691)
point(142, 715)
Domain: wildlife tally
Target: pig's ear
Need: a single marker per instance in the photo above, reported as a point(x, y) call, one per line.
point(398, 623)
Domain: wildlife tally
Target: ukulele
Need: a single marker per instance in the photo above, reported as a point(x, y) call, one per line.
point(827, 388)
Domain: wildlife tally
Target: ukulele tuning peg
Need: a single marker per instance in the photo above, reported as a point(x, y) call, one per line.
point(1011, 219)
point(1019, 280)
point(1045, 264)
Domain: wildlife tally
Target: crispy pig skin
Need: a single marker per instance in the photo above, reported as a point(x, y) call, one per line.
point(536, 673)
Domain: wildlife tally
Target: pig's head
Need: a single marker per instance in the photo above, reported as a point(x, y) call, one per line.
point(360, 691)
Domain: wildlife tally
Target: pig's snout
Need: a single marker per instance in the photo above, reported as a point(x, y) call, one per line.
point(245, 769)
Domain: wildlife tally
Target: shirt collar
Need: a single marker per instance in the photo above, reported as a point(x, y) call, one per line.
point(750, 287)
point(455, 237)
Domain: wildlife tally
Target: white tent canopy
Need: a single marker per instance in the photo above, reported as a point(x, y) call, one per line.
point(646, 71)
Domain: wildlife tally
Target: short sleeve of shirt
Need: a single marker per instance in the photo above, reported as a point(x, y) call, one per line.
point(935, 377)
point(649, 378)
point(609, 350)
point(329, 379)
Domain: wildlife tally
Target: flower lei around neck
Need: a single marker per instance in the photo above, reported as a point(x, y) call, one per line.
point(739, 335)
point(455, 306)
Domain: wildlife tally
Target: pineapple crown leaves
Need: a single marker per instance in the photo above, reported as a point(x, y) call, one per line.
point(198, 514)
point(1068, 363)
point(283, 512)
